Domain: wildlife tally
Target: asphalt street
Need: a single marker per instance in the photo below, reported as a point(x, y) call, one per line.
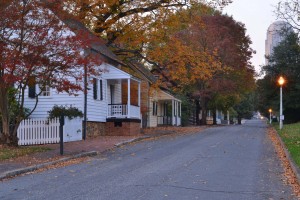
point(226, 162)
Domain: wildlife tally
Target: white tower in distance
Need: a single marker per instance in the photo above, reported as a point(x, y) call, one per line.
point(275, 35)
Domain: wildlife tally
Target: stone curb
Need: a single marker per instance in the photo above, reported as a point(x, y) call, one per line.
point(141, 138)
point(132, 141)
point(294, 167)
point(39, 166)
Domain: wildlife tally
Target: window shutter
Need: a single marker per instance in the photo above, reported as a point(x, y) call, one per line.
point(101, 90)
point(31, 89)
point(95, 89)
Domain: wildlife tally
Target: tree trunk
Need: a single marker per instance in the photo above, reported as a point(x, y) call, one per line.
point(197, 112)
point(239, 120)
point(8, 135)
point(214, 116)
point(203, 108)
point(14, 134)
point(4, 137)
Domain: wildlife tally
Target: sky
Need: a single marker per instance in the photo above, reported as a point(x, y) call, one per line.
point(257, 15)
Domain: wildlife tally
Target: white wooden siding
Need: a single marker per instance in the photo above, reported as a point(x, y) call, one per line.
point(96, 109)
point(45, 104)
point(152, 118)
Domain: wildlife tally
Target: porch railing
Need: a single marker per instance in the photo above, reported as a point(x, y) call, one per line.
point(121, 110)
point(135, 111)
point(115, 110)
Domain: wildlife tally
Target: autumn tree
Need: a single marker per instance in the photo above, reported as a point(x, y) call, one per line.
point(126, 23)
point(131, 27)
point(36, 48)
point(228, 37)
point(195, 49)
point(208, 58)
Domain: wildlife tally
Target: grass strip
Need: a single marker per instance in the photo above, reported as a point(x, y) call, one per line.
point(290, 134)
point(14, 152)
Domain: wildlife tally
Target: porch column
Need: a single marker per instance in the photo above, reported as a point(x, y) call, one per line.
point(139, 98)
point(139, 94)
point(228, 121)
point(128, 98)
point(180, 109)
point(176, 112)
point(180, 114)
point(173, 103)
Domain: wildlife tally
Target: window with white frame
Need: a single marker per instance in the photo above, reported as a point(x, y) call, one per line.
point(45, 90)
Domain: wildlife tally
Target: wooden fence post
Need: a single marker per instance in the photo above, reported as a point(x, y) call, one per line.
point(61, 133)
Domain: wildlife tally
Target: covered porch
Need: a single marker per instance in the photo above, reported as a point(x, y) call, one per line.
point(169, 110)
point(124, 98)
point(123, 104)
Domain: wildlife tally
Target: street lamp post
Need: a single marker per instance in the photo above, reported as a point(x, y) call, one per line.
point(270, 111)
point(281, 82)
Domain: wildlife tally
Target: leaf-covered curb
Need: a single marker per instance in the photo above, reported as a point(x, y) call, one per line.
point(290, 170)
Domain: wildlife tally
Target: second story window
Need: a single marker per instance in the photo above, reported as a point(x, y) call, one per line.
point(45, 90)
point(35, 89)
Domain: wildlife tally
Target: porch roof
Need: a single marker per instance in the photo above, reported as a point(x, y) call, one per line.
point(163, 95)
point(115, 73)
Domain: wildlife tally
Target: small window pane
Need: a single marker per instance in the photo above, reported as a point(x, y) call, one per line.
point(45, 90)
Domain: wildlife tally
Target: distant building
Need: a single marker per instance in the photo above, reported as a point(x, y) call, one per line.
point(275, 34)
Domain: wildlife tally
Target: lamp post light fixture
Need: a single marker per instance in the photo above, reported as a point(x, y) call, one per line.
point(270, 111)
point(281, 81)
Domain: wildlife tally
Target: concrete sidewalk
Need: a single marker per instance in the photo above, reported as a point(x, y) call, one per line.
point(72, 150)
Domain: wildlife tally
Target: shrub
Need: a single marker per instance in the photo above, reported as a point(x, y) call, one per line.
point(70, 112)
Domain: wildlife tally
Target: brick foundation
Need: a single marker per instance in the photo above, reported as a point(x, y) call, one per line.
point(123, 128)
point(113, 128)
point(94, 129)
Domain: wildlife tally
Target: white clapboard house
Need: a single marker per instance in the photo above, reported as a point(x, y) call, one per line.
point(165, 109)
point(158, 106)
point(111, 110)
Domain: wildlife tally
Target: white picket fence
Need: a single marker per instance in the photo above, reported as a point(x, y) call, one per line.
point(38, 131)
point(44, 131)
